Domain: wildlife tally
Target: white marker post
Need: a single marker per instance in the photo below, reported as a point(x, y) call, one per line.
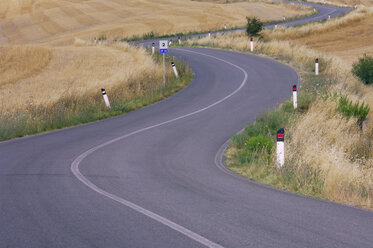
point(225, 26)
point(328, 17)
point(179, 39)
point(284, 18)
point(95, 41)
point(163, 48)
point(317, 66)
point(209, 34)
point(280, 161)
point(251, 44)
point(276, 26)
point(153, 48)
point(106, 99)
point(170, 42)
point(175, 70)
point(295, 96)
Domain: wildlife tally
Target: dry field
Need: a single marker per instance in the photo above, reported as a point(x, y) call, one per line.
point(344, 3)
point(347, 38)
point(35, 75)
point(60, 21)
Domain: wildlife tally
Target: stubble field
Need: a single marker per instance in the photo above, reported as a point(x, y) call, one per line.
point(60, 21)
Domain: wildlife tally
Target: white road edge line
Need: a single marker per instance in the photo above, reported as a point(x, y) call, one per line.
point(75, 165)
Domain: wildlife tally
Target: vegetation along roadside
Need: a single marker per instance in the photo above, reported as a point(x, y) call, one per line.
point(329, 136)
point(77, 97)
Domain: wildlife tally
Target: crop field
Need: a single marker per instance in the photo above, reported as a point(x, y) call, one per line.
point(347, 38)
point(60, 21)
point(36, 75)
point(350, 3)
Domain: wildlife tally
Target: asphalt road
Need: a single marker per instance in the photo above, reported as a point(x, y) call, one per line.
point(154, 178)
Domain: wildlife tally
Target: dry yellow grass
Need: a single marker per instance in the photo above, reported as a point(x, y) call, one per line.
point(17, 63)
point(77, 70)
point(57, 21)
point(329, 143)
point(345, 3)
point(348, 37)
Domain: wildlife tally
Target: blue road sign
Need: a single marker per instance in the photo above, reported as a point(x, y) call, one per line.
point(163, 50)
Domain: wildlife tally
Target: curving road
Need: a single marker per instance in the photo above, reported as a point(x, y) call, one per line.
point(154, 178)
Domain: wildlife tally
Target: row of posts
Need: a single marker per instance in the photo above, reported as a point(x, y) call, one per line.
point(280, 136)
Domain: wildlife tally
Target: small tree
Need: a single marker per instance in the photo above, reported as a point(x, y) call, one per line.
point(254, 26)
point(364, 69)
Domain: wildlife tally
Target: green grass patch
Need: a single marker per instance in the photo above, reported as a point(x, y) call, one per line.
point(252, 152)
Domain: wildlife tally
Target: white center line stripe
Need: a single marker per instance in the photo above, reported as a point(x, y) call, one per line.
point(75, 165)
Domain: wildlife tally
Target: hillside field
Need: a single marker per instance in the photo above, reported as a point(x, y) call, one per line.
point(60, 21)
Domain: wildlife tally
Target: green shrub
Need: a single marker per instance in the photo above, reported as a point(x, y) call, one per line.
point(349, 109)
point(254, 26)
point(364, 69)
point(260, 143)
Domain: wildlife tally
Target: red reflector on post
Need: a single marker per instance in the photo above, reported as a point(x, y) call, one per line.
point(317, 60)
point(294, 88)
point(280, 135)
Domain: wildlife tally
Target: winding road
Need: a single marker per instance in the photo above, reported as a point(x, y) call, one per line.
point(154, 177)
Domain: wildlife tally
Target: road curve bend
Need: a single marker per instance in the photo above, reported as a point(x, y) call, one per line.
point(152, 178)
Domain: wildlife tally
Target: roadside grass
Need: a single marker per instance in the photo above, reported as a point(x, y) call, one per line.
point(329, 154)
point(73, 109)
point(260, 164)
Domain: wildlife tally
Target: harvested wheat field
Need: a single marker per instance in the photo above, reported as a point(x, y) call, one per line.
point(348, 38)
point(344, 3)
point(35, 75)
point(60, 21)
